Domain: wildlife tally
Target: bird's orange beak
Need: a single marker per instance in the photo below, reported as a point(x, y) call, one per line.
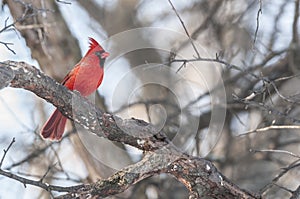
point(104, 55)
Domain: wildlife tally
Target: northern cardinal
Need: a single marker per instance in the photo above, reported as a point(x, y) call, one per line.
point(85, 77)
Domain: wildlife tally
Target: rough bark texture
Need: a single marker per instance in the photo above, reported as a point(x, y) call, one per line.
point(56, 50)
point(200, 176)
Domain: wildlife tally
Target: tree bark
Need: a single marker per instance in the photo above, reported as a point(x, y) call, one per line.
point(200, 176)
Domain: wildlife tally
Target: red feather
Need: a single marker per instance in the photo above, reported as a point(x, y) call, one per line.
point(85, 77)
point(93, 44)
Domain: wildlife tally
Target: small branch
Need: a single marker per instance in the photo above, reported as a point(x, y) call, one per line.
point(257, 20)
point(7, 46)
point(284, 188)
point(296, 193)
point(38, 151)
point(45, 174)
point(39, 183)
point(286, 78)
point(267, 108)
point(281, 96)
point(185, 29)
point(7, 27)
point(284, 171)
point(295, 23)
point(6, 150)
point(64, 2)
point(182, 65)
point(216, 60)
point(268, 128)
point(275, 151)
point(34, 26)
point(56, 178)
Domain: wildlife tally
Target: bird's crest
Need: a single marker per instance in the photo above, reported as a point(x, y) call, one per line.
point(94, 44)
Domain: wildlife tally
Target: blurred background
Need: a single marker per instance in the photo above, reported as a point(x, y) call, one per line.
point(205, 107)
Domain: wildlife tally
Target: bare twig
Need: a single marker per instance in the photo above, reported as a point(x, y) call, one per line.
point(34, 26)
point(272, 127)
point(64, 2)
point(6, 150)
point(57, 178)
point(267, 108)
point(185, 29)
point(217, 60)
point(296, 193)
point(282, 187)
point(281, 96)
point(257, 20)
point(295, 23)
point(250, 69)
point(182, 65)
point(275, 151)
point(7, 46)
point(7, 27)
point(209, 18)
point(38, 151)
point(59, 162)
point(284, 171)
point(45, 174)
point(286, 78)
point(29, 12)
point(39, 183)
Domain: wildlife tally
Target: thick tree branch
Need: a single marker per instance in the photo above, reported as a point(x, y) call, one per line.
point(151, 164)
point(200, 176)
point(134, 132)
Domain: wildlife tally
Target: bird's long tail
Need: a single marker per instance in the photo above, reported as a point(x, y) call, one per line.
point(54, 128)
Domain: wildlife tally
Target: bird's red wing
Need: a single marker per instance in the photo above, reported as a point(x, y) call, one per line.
point(69, 79)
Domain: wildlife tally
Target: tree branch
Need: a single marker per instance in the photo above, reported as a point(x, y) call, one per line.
point(185, 29)
point(200, 176)
point(37, 183)
point(5, 151)
point(259, 12)
point(296, 193)
point(134, 132)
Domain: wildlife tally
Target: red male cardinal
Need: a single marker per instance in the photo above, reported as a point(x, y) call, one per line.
point(85, 77)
